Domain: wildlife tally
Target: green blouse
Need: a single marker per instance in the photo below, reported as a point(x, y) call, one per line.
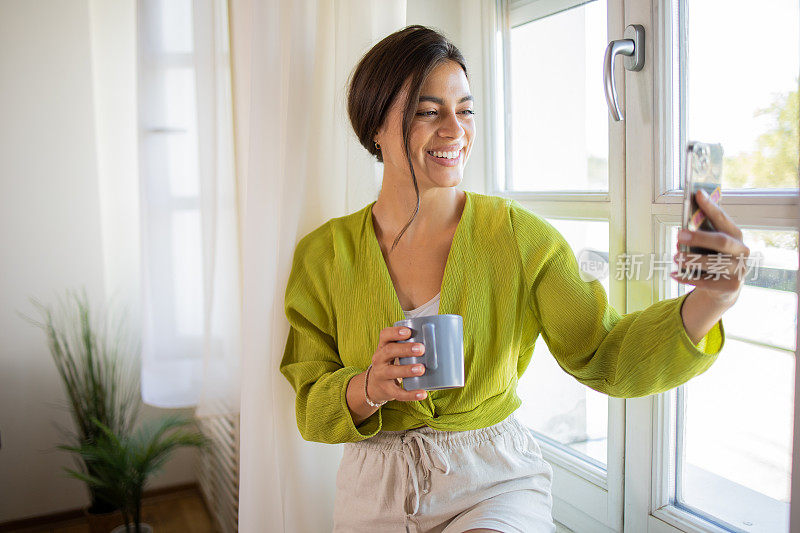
point(512, 277)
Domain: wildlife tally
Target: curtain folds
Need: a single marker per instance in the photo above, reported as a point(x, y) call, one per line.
point(298, 164)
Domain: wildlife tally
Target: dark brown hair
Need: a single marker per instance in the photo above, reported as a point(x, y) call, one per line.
point(409, 55)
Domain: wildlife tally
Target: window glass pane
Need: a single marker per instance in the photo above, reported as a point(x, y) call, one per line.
point(734, 455)
point(770, 289)
point(187, 281)
point(554, 403)
point(175, 24)
point(169, 163)
point(181, 162)
point(179, 97)
point(174, 112)
point(741, 95)
point(559, 122)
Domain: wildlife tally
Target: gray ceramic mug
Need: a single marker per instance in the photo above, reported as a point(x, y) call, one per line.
point(443, 337)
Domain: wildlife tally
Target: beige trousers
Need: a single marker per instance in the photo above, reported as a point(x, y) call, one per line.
point(424, 480)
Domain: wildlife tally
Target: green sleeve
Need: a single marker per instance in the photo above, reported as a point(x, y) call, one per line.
point(311, 361)
point(635, 354)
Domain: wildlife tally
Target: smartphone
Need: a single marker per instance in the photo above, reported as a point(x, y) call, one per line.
point(703, 171)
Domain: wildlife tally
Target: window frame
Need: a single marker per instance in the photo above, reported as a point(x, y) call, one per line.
point(647, 141)
point(159, 205)
point(649, 453)
point(585, 497)
point(171, 350)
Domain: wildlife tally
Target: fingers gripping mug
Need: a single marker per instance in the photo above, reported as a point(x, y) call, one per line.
point(443, 337)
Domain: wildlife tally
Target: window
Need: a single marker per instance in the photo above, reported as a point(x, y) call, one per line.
point(733, 452)
point(187, 190)
point(731, 428)
point(558, 90)
point(714, 454)
point(559, 163)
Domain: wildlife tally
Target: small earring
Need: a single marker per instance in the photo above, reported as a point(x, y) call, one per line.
point(377, 146)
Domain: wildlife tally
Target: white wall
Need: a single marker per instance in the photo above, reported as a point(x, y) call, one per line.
point(67, 175)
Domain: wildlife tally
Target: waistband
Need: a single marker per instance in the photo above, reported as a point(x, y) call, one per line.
point(393, 440)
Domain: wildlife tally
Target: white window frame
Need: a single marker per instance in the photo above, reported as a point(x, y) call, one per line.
point(585, 498)
point(648, 482)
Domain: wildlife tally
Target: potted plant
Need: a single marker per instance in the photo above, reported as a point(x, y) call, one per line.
point(99, 372)
point(123, 463)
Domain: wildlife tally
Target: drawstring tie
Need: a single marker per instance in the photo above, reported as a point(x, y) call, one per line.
point(427, 462)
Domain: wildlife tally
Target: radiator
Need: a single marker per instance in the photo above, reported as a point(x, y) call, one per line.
point(218, 471)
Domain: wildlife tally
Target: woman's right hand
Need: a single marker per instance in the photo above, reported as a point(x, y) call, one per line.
point(383, 378)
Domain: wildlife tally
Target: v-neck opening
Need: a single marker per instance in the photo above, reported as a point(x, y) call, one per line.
point(438, 295)
point(376, 246)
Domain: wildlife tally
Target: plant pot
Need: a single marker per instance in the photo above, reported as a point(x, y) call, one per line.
point(103, 522)
point(144, 528)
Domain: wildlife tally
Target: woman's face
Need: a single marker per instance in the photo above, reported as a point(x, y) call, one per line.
point(442, 130)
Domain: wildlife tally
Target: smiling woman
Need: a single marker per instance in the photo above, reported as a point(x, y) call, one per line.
point(411, 107)
point(451, 460)
point(420, 112)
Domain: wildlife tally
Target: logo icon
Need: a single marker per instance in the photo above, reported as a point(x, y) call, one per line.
point(593, 264)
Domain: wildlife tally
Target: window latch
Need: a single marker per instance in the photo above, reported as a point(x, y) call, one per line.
point(632, 47)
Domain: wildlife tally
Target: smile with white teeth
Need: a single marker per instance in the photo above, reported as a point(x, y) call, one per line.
point(446, 155)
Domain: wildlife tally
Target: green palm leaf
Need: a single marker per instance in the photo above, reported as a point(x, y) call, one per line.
point(99, 368)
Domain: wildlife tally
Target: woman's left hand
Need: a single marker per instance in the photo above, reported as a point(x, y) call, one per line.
point(722, 273)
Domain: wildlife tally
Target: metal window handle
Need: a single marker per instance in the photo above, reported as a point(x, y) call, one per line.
point(632, 47)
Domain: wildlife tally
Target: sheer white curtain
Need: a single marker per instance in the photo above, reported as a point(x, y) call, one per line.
point(191, 285)
point(298, 165)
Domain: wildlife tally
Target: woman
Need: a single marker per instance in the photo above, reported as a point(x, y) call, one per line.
point(457, 460)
